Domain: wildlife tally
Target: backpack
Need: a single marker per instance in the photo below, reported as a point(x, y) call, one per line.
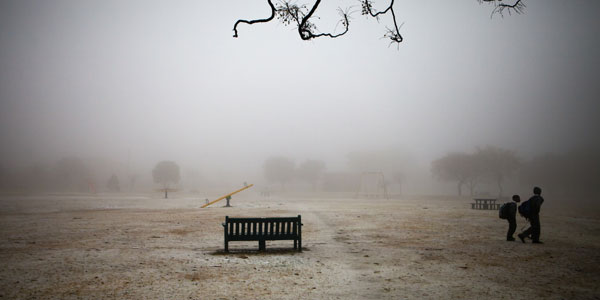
point(503, 212)
point(525, 209)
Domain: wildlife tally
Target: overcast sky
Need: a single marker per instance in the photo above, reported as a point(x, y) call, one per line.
point(166, 80)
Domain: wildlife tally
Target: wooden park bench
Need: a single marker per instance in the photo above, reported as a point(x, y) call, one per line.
point(485, 204)
point(263, 229)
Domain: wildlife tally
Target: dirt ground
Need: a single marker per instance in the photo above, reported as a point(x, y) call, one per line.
point(144, 247)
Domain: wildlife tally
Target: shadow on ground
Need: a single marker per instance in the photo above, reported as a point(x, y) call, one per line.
point(256, 252)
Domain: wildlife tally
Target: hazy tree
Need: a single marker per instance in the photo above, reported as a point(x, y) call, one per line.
point(311, 171)
point(72, 174)
point(302, 16)
point(113, 184)
point(166, 173)
point(279, 169)
point(456, 167)
point(497, 163)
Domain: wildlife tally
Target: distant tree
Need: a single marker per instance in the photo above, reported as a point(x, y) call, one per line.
point(310, 171)
point(279, 169)
point(456, 167)
point(497, 164)
point(166, 173)
point(113, 184)
point(302, 17)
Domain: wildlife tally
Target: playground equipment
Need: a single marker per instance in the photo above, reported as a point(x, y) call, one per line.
point(228, 196)
point(372, 185)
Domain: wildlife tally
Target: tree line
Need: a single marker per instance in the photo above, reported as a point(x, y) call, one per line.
point(573, 173)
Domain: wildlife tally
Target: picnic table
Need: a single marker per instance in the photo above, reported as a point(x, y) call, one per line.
point(485, 204)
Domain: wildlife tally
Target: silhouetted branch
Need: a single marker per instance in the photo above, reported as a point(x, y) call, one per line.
point(300, 15)
point(500, 8)
point(235, 33)
point(288, 12)
point(392, 34)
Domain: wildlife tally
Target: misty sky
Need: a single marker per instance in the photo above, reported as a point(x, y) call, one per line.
point(166, 80)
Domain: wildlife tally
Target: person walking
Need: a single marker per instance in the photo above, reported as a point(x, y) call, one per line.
point(534, 229)
point(512, 217)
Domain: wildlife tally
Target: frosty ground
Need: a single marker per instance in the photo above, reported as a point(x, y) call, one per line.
point(142, 247)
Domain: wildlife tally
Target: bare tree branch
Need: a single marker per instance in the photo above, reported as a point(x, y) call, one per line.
point(392, 34)
point(235, 33)
point(301, 15)
point(518, 7)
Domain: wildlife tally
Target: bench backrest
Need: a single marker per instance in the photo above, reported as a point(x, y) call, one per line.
point(263, 226)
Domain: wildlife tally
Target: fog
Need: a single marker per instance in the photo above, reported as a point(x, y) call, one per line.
point(122, 85)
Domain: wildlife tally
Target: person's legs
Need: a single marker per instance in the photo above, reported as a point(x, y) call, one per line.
point(525, 233)
point(535, 228)
point(512, 226)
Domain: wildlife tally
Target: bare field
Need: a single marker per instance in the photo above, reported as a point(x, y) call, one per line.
point(144, 247)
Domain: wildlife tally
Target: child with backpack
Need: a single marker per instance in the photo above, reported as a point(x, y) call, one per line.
point(530, 210)
point(508, 211)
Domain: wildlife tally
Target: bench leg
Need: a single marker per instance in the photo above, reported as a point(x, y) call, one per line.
point(226, 246)
point(300, 245)
point(262, 246)
point(295, 244)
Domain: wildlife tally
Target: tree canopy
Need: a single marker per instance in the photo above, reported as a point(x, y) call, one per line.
point(455, 167)
point(488, 163)
point(166, 173)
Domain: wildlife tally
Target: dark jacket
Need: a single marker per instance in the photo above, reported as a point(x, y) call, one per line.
point(512, 210)
point(536, 204)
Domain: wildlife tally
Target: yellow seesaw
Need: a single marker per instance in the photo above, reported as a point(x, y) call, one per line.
point(228, 196)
